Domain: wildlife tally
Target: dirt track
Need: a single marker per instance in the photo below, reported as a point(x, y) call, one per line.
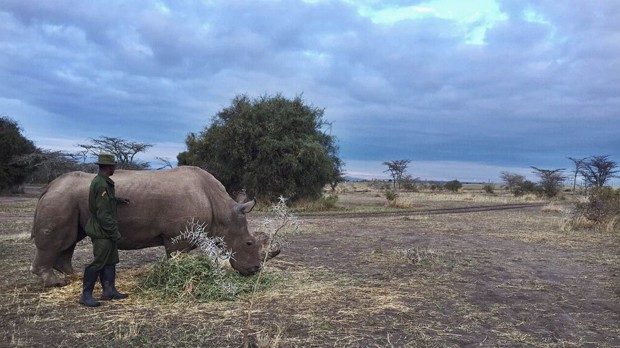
point(437, 211)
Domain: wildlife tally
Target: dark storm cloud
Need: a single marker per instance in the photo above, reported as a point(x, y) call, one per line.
point(541, 87)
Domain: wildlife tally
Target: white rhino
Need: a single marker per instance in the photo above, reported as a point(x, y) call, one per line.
point(162, 203)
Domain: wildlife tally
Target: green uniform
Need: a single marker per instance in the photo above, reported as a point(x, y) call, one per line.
point(102, 226)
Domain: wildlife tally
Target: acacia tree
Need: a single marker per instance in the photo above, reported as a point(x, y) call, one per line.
point(517, 185)
point(14, 148)
point(124, 151)
point(550, 180)
point(578, 166)
point(597, 170)
point(48, 165)
point(397, 170)
point(270, 146)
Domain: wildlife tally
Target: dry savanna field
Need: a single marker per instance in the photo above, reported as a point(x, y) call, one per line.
point(466, 269)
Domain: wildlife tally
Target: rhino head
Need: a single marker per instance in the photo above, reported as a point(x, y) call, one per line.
point(233, 228)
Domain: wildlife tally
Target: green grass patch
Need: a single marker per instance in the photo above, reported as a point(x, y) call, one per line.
point(195, 278)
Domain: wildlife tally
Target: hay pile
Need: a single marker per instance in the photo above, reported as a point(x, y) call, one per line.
point(180, 278)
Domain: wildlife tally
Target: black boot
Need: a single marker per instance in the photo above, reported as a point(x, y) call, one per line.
point(108, 279)
point(90, 278)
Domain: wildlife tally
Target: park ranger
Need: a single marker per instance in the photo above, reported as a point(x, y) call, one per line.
point(102, 228)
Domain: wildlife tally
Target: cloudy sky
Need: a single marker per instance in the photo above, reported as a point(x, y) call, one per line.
point(463, 89)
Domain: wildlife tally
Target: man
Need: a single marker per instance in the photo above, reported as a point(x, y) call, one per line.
point(102, 228)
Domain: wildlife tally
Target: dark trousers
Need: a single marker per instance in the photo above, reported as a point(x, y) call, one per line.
point(105, 252)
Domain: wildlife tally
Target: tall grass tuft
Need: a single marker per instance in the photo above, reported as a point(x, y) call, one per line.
point(281, 225)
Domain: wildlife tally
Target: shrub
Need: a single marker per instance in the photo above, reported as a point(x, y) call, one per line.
point(488, 188)
point(601, 211)
point(391, 196)
point(322, 204)
point(379, 184)
point(453, 185)
point(526, 187)
point(435, 186)
point(410, 183)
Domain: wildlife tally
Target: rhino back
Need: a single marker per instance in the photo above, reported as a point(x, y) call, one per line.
point(162, 203)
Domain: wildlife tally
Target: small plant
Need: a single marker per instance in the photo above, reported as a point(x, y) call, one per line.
point(277, 228)
point(419, 256)
point(488, 188)
point(391, 196)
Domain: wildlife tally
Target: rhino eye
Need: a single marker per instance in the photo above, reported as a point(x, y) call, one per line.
point(249, 243)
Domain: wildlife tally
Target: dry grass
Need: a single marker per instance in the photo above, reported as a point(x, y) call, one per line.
point(496, 279)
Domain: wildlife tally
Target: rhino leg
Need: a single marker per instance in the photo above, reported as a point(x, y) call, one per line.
point(42, 266)
point(63, 261)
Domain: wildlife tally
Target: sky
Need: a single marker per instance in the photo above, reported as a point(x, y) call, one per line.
point(462, 89)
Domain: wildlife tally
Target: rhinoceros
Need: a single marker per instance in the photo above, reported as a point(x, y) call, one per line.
point(162, 203)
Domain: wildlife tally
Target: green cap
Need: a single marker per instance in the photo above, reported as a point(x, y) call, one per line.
point(106, 158)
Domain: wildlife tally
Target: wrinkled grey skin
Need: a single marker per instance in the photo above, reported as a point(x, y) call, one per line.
point(162, 203)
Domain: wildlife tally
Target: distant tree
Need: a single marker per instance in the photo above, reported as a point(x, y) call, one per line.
point(517, 185)
point(14, 149)
point(453, 185)
point(49, 165)
point(397, 170)
point(270, 146)
point(551, 180)
point(578, 166)
point(124, 150)
point(512, 181)
point(597, 170)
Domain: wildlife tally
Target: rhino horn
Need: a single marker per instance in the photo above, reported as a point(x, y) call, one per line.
point(273, 253)
point(262, 239)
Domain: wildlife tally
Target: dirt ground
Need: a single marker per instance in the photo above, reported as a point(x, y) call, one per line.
point(460, 278)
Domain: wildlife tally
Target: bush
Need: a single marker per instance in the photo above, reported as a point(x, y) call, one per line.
point(379, 184)
point(409, 183)
point(601, 211)
point(488, 188)
point(453, 185)
point(324, 203)
point(526, 187)
point(391, 196)
point(436, 187)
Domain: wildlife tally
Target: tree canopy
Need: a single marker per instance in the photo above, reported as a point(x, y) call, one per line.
point(270, 146)
point(397, 170)
point(123, 150)
point(597, 170)
point(14, 148)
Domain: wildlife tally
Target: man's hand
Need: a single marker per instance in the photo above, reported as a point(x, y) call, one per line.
point(123, 201)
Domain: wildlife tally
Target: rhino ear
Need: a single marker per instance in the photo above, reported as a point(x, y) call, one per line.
point(241, 197)
point(246, 207)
